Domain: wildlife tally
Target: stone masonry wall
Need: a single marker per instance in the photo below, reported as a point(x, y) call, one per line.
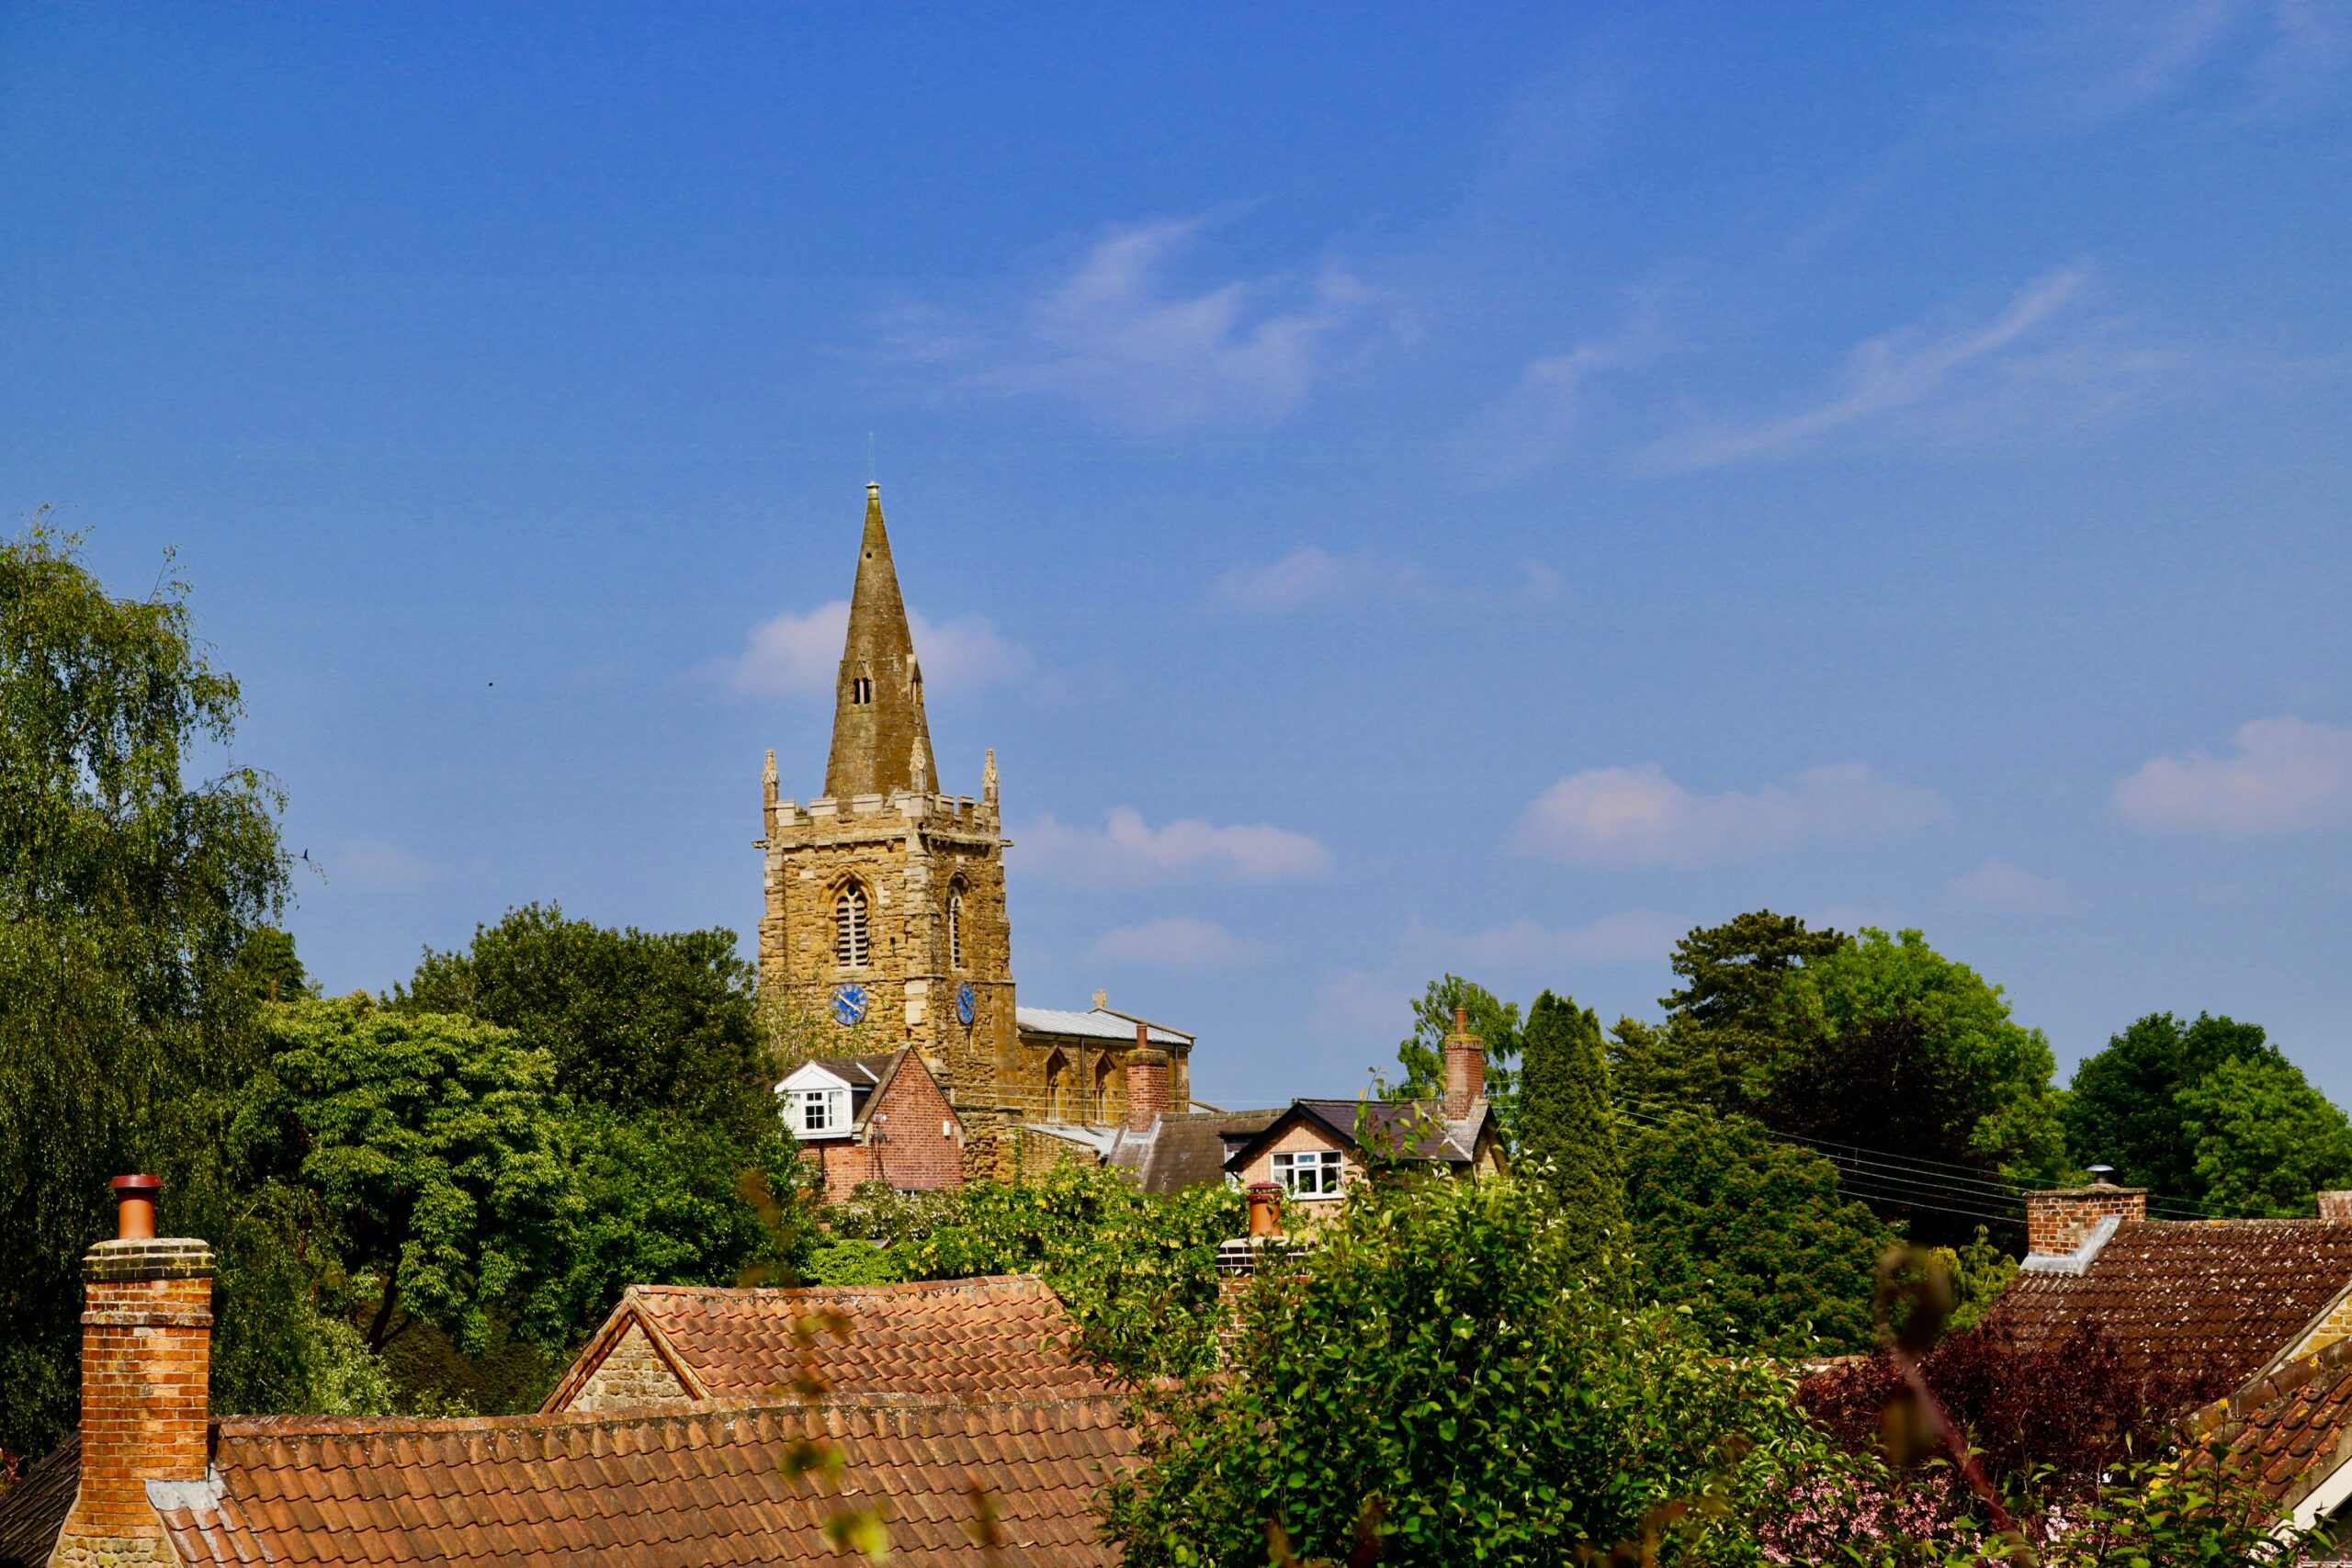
point(631, 1373)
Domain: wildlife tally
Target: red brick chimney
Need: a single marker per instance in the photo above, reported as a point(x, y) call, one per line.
point(1146, 1082)
point(146, 1365)
point(2060, 1221)
point(2335, 1208)
point(1465, 1067)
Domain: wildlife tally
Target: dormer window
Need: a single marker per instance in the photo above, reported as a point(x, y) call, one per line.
point(852, 942)
point(861, 690)
point(815, 1103)
point(1310, 1173)
point(822, 1110)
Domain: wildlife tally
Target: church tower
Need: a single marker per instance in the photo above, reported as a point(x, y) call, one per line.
point(886, 898)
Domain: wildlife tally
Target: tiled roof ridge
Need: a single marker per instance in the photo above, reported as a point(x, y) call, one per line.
point(257, 1428)
point(973, 1285)
point(2224, 1414)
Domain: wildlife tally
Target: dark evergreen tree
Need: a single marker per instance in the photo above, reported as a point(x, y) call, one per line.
point(1568, 1132)
point(1726, 1021)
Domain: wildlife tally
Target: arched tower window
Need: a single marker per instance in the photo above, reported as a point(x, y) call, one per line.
point(851, 939)
point(955, 926)
point(861, 690)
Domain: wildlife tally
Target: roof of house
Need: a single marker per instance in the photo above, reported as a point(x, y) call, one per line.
point(34, 1509)
point(1412, 1129)
point(1100, 1023)
point(2218, 1299)
point(2292, 1425)
point(693, 1487)
point(1187, 1148)
point(867, 1076)
point(1006, 1337)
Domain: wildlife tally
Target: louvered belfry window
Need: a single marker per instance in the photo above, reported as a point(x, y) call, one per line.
point(850, 940)
point(956, 927)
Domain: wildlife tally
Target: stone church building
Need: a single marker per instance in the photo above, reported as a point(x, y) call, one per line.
point(886, 913)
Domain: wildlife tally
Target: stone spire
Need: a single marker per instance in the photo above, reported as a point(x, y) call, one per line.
point(881, 738)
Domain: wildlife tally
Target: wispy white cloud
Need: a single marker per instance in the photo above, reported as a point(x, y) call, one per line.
point(2287, 776)
point(1945, 385)
point(1632, 816)
point(378, 865)
point(1639, 936)
point(1312, 578)
point(1175, 944)
point(2091, 64)
point(1311, 575)
point(2005, 888)
point(1120, 336)
point(1127, 849)
point(1535, 423)
point(800, 655)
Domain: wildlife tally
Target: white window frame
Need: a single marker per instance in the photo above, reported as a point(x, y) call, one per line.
point(812, 1089)
point(1311, 1174)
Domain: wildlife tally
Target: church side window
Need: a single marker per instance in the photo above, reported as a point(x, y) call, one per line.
point(851, 939)
point(956, 927)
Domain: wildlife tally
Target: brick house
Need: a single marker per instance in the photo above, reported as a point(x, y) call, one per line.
point(973, 1340)
point(1315, 1148)
point(873, 1118)
point(159, 1479)
point(2259, 1308)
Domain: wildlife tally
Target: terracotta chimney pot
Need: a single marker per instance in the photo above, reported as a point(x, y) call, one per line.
point(134, 1214)
point(1265, 1209)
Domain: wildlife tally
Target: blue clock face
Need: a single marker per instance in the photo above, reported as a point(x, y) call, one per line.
point(849, 1006)
point(968, 1004)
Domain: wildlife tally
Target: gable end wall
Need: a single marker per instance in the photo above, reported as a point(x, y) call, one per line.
point(632, 1373)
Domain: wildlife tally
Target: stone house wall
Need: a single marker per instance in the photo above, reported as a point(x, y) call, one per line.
point(632, 1373)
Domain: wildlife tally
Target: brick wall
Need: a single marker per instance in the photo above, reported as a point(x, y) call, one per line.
point(631, 1373)
point(2060, 1221)
point(146, 1370)
point(912, 1139)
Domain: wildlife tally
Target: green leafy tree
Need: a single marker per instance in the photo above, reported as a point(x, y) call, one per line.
point(1136, 1271)
point(1750, 1236)
point(138, 866)
point(1567, 1131)
point(1726, 1022)
point(631, 1020)
point(2125, 1107)
point(431, 1143)
point(1888, 1045)
point(2266, 1141)
point(1421, 1056)
point(1648, 1072)
point(1433, 1384)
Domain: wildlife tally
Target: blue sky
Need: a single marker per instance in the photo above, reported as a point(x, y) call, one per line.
point(1401, 489)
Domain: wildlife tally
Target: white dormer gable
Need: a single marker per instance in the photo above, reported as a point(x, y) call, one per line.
point(815, 1103)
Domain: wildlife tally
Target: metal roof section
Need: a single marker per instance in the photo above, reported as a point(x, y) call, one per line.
point(1099, 1023)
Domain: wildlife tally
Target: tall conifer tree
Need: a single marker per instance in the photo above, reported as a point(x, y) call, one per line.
point(1566, 1133)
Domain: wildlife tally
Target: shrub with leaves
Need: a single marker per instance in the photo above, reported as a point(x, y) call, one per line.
point(1137, 1272)
point(1434, 1383)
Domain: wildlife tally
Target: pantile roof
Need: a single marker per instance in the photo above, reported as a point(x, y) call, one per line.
point(2291, 1426)
point(2217, 1299)
point(652, 1489)
point(1006, 1337)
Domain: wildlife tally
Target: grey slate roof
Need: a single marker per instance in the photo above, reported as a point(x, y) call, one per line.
point(1100, 1023)
point(1386, 1122)
point(34, 1509)
point(1188, 1149)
